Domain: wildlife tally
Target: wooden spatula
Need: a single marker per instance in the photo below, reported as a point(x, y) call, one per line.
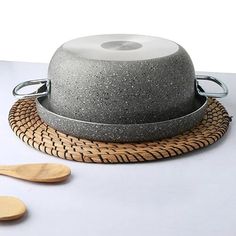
point(11, 208)
point(43, 172)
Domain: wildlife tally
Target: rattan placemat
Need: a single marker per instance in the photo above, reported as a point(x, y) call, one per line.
point(27, 125)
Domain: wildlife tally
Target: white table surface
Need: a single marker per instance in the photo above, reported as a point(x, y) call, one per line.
point(191, 195)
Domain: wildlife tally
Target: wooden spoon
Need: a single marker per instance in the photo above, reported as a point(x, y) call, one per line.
point(11, 208)
point(43, 172)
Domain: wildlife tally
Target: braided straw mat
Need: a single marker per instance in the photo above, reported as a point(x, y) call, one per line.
point(27, 125)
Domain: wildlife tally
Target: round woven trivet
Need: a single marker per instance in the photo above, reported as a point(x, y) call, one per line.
point(26, 124)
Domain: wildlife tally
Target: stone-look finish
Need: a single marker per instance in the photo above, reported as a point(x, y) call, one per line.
point(121, 92)
point(122, 132)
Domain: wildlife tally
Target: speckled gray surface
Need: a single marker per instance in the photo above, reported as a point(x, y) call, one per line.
point(121, 92)
point(122, 132)
point(122, 88)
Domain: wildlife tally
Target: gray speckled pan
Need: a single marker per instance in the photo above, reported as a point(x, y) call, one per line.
point(121, 88)
point(122, 132)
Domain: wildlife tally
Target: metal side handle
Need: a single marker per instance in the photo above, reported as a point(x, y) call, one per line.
point(215, 80)
point(35, 94)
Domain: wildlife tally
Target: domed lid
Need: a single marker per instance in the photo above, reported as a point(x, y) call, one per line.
point(120, 47)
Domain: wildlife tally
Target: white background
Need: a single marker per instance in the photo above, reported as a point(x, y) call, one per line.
point(193, 195)
point(32, 30)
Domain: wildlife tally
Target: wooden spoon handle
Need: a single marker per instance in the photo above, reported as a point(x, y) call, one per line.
point(43, 172)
